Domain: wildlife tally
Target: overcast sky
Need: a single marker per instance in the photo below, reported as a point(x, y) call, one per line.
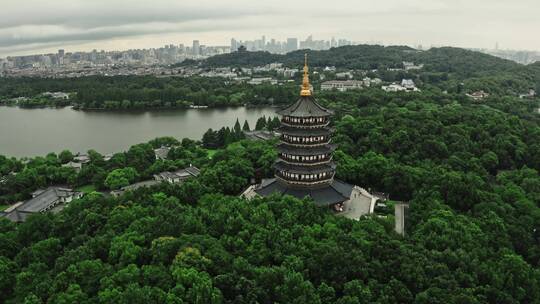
point(38, 26)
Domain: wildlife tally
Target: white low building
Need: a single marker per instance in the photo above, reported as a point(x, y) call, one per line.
point(261, 80)
point(342, 85)
point(57, 95)
point(478, 95)
point(406, 85)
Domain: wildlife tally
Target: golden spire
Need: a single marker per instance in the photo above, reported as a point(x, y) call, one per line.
point(306, 88)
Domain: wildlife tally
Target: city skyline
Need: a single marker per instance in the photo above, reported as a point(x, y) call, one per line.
point(34, 27)
point(252, 45)
point(63, 59)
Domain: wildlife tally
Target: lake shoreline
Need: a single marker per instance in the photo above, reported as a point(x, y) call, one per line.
point(146, 109)
point(36, 132)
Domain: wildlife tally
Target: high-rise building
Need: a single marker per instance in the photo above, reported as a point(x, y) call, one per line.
point(234, 45)
point(61, 54)
point(196, 48)
point(292, 44)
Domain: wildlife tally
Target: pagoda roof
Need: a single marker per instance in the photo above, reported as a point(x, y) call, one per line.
point(306, 106)
point(289, 149)
point(336, 192)
point(305, 132)
point(304, 169)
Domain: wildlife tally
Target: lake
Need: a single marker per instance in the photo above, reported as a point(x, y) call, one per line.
point(33, 132)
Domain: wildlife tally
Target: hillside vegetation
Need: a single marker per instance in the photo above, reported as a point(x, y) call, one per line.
point(469, 170)
point(444, 67)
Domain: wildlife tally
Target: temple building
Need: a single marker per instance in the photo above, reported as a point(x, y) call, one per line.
point(305, 166)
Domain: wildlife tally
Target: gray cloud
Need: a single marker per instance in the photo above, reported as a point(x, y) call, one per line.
point(33, 25)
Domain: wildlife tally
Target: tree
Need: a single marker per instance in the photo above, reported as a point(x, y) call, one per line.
point(197, 286)
point(119, 178)
point(7, 278)
point(65, 156)
point(246, 126)
point(296, 290)
point(237, 129)
point(273, 123)
point(140, 157)
point(73, 294)
point(209, 139)
point(261, 123)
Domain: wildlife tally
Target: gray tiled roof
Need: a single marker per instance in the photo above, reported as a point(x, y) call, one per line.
point(193, 170)
point(167, 174)
point(182, 173)
point(44, 199)
point(162, 152)
point(259, 135)
point(138, 185)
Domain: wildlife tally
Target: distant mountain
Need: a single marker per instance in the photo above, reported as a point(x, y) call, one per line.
point(463, 62)
point(367, 57)
point(447, 64)
point(354, 57)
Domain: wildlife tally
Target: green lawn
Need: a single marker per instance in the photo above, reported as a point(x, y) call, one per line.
point(86, 189)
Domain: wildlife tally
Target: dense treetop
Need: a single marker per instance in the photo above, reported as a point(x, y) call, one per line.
point(469, 171)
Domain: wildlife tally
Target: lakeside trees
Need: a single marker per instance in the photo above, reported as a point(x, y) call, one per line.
point(452, 70)
point(145, 92)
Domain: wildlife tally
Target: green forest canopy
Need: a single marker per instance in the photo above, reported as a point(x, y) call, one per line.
point(469, 171)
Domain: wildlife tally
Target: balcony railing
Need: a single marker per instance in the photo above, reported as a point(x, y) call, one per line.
point(305, 125)
point(305, 182)
point(306, 162)
point(306, 143)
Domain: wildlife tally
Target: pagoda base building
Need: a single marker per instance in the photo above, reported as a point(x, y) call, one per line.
point(305, 166)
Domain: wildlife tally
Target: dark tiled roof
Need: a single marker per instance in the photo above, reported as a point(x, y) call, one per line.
point(334, 193)
point(305, 107)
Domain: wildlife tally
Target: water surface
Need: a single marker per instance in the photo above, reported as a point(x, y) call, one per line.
point(31, 132)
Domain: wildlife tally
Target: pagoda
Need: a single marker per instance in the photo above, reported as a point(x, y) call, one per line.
point(305, 148)
point(305, 166)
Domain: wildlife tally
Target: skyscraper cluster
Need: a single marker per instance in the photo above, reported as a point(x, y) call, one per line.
point(168, 54)
point(289, 45)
